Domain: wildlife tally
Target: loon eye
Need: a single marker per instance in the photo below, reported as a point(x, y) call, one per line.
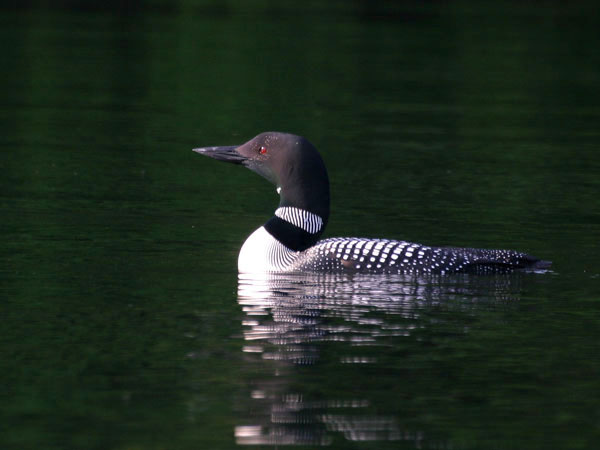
point(263, 150)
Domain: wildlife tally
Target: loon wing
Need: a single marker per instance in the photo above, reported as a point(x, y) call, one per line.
point(361, 255)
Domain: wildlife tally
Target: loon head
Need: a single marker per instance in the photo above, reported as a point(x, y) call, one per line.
point(290, 162)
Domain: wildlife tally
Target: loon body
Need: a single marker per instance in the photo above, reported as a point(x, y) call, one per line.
point(289, 241)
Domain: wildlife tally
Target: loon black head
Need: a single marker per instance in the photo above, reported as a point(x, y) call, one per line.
point(290, 162)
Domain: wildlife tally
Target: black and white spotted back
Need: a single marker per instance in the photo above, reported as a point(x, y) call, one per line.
point(361, 255)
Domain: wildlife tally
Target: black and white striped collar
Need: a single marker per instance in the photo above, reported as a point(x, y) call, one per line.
point(295, 228)
point(309, 222)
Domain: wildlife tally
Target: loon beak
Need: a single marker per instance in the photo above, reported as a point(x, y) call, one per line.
point(228, 154)
point(232, 155)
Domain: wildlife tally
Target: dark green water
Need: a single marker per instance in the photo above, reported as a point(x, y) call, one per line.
point(124, 325)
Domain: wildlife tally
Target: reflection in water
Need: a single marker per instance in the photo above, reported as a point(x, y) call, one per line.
point(291, 321)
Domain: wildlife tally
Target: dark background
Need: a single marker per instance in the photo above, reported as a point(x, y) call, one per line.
point(445, 123)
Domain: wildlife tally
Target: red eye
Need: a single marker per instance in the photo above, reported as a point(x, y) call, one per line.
point(262, 150)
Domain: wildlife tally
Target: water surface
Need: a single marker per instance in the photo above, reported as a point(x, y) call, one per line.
point(124, 322)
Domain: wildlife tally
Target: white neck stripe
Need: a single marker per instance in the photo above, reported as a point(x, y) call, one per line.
point(302, 219)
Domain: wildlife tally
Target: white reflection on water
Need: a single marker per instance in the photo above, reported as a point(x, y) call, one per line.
point(289, 319)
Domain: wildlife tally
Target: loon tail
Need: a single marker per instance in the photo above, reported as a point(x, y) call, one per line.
point(505, 261)
point(541, 264)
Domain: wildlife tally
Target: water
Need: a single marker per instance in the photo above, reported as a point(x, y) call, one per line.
point(124, 322)
point(371, 341)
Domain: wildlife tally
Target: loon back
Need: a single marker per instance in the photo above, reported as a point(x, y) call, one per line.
point(289, 241)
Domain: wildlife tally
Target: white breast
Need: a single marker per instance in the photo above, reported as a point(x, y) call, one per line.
point(263, 253)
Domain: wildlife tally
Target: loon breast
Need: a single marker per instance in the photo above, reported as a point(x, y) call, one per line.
point(261, 252)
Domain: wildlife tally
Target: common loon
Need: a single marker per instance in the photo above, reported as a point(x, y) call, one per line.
point(289, 241)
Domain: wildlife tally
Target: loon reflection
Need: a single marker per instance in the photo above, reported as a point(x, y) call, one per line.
point(344, 326)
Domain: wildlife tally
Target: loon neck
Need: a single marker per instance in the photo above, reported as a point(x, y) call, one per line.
point(295, 228)
point(296, 168)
